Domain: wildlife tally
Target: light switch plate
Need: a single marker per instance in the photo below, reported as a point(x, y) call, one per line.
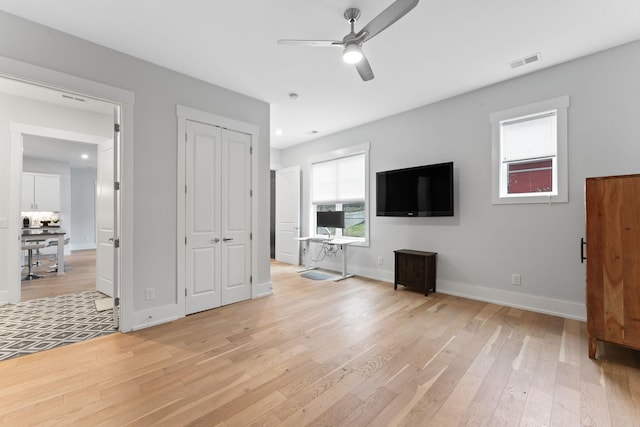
point(3, 222)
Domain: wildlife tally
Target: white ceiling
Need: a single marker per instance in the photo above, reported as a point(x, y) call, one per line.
point(440, 49)
point(38, 147)
point(58, 150)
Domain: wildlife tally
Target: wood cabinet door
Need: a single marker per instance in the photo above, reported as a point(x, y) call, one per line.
point(613, 259)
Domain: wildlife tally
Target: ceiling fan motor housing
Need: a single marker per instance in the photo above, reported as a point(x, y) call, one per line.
point(352, 15)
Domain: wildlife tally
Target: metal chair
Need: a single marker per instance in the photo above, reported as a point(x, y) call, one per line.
point(30, 247)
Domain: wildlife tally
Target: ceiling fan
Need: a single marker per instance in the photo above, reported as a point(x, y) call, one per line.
point(352, 42)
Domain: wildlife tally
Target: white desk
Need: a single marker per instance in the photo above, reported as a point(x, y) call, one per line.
point(342, 242)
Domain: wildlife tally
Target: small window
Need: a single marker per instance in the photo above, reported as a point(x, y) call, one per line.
point(530, 153)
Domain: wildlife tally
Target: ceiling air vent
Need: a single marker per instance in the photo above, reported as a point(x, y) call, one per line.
point(526, 60)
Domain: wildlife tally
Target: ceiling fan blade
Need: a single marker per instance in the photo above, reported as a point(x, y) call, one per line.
point(364, 69)
point(315, 43)
point(385, 18)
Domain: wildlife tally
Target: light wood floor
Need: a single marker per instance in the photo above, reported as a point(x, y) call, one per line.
point(80, 276)
point(353, 353)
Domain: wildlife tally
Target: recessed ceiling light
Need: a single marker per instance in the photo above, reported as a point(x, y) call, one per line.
point(85, 156)
point(314, 132)
point(293, 96)
point(278, 132)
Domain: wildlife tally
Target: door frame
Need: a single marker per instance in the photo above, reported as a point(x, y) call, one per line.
point(32, 74)
point(183, 114)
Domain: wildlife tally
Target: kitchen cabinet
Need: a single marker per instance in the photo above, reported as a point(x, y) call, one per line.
point(40, 192)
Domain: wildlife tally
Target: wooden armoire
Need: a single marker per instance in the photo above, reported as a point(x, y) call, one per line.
point(613, 261)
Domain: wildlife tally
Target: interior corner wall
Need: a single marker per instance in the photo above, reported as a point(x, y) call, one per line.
point(157, 92)
point(83, 209)
point(484, 244)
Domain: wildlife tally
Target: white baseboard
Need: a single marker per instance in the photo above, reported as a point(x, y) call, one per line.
point(82, 246)
point(262, 290)
point(155, 316)
point(554, 307)
point(168, 313)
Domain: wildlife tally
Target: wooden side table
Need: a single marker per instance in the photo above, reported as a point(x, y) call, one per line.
point(415, 269)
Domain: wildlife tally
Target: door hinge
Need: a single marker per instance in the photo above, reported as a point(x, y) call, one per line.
point(250, 193)
point(250, 279)
point(116, 243)
point(116, 186)
point(250, 236)
point(116, 127)
point(186, 137)
point(185, 189)
point(250, 150)
point(185, 292)
point(116, 302)
point(185, 240)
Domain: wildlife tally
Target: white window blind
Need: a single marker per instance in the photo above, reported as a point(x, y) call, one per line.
point(528, 138)
point(339, 180)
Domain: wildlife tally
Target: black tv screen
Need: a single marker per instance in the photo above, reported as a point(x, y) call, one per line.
point(333, 219)
point(419, 191)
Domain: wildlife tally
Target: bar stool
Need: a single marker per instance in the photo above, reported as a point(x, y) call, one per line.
point(31, 247)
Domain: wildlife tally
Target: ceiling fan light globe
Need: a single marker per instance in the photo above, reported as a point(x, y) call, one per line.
point(352, 54)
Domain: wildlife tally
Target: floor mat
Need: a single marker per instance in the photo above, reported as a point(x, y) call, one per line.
point(316, 275)
point(41, 324)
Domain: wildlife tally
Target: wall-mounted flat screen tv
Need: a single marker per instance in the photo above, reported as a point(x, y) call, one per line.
point(418, 191)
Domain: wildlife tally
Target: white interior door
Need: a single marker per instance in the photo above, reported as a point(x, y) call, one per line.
point(236, 216)
point(217, 217)
point(288, 215)
point(204, 239)
point(105, 227)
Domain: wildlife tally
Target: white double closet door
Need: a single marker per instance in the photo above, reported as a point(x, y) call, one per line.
point(218, 216)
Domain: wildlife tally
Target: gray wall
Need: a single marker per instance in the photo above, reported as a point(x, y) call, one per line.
point(484, 244)
point(157, 91)
point(83, 208)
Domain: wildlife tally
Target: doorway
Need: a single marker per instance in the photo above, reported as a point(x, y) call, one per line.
point(35, 144)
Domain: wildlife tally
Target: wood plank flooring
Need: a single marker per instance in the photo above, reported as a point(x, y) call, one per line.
point(319, 353)
point(80, 276)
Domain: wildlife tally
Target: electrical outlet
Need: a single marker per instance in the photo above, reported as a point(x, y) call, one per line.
point(150, 293)
point(516, 279)
point(380, 260)
point(3, 222)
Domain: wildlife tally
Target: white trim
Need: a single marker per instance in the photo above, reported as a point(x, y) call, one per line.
point(29, 73)
point(553, 307)
point(183, 114)
point(263, 290)
point(525, 110)
point(560, 104)
point(154, 316)
point(82, 246)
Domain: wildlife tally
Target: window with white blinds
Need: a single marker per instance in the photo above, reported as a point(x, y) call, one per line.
point(529, 146)
point(529, 138)
point(339, 180)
